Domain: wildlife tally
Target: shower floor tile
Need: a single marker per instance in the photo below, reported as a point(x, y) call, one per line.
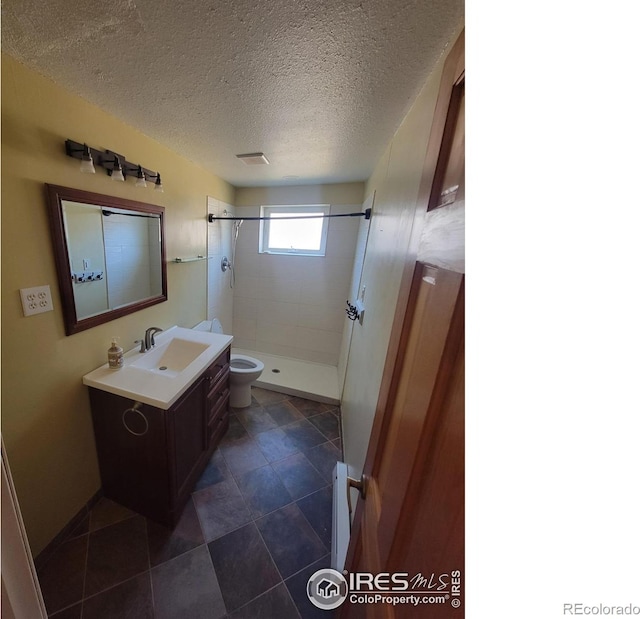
point(258, 524)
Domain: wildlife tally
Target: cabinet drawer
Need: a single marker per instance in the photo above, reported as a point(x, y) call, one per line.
point(220, 384)
point(217, 401)
point(219, 366)
point(217, 430)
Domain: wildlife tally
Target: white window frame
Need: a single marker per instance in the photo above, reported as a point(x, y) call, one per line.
point(294, 211)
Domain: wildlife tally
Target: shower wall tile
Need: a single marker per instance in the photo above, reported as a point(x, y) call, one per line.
point(277, 313)
point(246, 287)
point(219, 293)
point(280, 289)
point(244, 328)
point(277, 334)
point(246, 311)
point(325, 317)
point(248, 263)
point(318, 340)
point(340, 243)
point(293, 306)
point(326, 358)
point(245, 344)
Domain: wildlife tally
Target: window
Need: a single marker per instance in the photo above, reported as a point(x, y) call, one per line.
point(306, 236)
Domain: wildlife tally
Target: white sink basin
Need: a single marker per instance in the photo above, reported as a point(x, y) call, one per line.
point(161, 375)
point(171, 358)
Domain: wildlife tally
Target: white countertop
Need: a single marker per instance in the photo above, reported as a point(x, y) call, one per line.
point(151, 387)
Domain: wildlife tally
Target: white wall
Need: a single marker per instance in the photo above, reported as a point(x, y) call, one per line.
point(219, 291)
point(355, 292)
point(294, 306)
point(396, 182)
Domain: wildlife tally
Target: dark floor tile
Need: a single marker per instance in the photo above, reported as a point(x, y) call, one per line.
point(309, 407)
point(82, 528)
point(275, 603)
point(263, 491)
point(62, 576)
point(243, 566)
point(292, 542)
point(283, 413)
point(108, 512)
point(221, 509)
point(129, 600)
point(275, 445)
point(256, 420)
point(328, 424)
point(166, 543)
point(264, 396)
point(187, 586)
point(116, 553)
point(215, 471)
point(242, 455)
point(338, 445)
point(303, 435)
point(324, 458)
point(318, 510)
point(73, 612)
point(298, 476)
point(236, 429)
point(254, 404)
point(297, 586)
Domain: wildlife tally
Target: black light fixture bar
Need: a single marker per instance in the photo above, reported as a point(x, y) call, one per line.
point(366, 214)
point(108, 159)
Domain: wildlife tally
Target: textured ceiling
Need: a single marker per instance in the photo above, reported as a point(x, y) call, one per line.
point(319, 86)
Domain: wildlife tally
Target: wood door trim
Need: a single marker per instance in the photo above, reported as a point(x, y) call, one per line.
point(452, 76)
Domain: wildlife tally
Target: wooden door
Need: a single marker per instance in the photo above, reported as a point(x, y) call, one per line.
point(412, 517)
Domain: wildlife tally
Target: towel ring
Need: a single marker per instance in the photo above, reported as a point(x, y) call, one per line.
point(135, 409)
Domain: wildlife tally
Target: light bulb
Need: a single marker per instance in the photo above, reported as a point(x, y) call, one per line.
point(117, 174)
point(141, 182)
point(86, 164)
point(158, 186)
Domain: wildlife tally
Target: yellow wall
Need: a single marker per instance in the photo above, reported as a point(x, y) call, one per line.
point(46, 420)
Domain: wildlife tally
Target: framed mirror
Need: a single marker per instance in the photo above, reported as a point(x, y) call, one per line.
point(110, 255)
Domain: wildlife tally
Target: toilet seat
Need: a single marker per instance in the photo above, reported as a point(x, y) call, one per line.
point(242, 364)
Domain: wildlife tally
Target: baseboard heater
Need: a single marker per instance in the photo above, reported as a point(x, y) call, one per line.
point(341, 525)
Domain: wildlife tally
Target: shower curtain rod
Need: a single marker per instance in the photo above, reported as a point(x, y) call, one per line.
point(211, 217)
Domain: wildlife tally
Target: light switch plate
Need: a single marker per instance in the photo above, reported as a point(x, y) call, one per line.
point(36, 300)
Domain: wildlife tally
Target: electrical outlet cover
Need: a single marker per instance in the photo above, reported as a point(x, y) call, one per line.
point(36, 300)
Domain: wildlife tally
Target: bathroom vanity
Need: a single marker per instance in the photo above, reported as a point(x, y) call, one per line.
point(154, 443)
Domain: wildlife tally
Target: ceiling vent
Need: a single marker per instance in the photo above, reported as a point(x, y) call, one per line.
point(253, 159)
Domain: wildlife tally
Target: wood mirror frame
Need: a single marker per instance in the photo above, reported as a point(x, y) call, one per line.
point(55, 197)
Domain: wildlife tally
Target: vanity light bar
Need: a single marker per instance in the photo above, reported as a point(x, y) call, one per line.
point(115, 164)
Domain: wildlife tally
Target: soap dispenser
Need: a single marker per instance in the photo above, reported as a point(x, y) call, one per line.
point(115, 355)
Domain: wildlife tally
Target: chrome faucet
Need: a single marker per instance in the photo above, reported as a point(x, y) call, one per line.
point(149, 339)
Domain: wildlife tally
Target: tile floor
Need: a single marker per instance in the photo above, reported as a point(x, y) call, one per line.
point(258, 524)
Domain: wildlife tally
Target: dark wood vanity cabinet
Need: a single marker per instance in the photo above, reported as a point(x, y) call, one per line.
point(151, 458)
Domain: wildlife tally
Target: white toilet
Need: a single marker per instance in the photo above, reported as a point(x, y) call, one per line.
point(244, 371)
